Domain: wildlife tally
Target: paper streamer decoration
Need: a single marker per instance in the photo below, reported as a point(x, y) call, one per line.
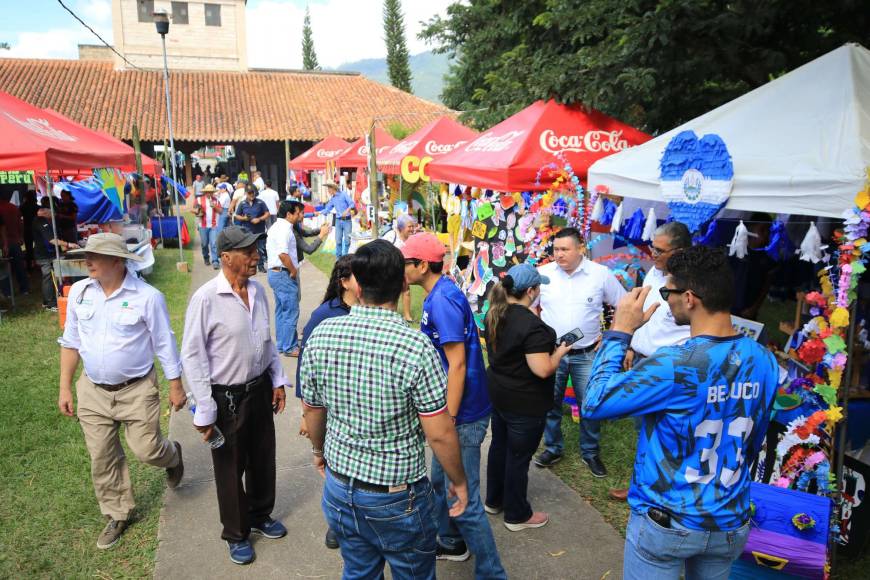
point(740, 242)
point(696, 177)
point(649, 228)
point(811, 247)
point(617, 220)
point(634, 227)
point(598, 209)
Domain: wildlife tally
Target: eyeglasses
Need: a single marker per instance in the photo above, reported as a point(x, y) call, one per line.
point(666, 292)
point(658, 251)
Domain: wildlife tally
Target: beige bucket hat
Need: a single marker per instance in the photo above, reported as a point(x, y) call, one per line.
point(108, 244)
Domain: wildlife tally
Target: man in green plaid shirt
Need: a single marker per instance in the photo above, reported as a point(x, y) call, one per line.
point(373, 388)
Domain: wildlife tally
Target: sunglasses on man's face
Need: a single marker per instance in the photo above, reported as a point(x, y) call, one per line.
point(658, 251)
point(666, 292)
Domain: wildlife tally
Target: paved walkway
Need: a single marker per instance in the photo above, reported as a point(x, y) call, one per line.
point(577, 543)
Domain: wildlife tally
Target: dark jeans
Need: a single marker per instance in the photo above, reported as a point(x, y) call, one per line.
point(250, 451)
point(375, 528)
point(49, 296)
point(515, 439)
point(261, 249)
point(19, 270)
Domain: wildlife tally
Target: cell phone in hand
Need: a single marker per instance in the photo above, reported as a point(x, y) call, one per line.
point(570, 337)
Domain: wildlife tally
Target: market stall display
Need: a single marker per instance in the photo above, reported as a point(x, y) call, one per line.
point(410, 156)
point(318, 155)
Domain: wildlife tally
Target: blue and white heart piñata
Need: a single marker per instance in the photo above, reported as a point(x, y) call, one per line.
point(696, 177)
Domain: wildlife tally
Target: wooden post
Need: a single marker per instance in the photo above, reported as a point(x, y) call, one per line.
point(140, 179)
point(286, 165)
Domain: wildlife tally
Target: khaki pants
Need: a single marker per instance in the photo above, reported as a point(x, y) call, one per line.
point(101, 413)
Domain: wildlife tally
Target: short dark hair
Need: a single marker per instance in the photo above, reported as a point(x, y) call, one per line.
point(289, 206)
point(704, 271)
point(268, 183)
point(571, 233)
point(379, 269)
point(434, 267)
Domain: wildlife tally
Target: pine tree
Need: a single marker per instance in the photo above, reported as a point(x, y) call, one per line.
point(309, 57)
point(398, 66)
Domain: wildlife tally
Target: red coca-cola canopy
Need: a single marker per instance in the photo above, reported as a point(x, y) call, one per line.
point(357, 155)
point(509, 156)
point(43, 141)
point(435, 140)
point(317, 157)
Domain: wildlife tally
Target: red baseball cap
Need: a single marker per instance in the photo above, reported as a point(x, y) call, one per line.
point(424, 246)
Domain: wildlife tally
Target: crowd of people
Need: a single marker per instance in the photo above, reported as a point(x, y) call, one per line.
point(375, 389)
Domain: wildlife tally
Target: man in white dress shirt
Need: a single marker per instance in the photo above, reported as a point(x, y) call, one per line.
point(235, 374)
point(271, 198)
point(661, 330)
point(115, 325)
point(575, 298)
point(282, 266)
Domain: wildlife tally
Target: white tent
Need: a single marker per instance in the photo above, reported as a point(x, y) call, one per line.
point(799, 144)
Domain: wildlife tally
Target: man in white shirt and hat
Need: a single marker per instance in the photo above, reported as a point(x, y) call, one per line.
point(115, 325)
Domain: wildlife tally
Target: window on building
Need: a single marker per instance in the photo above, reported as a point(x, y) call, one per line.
point(146, 10)
point(212, 14)
point(179, 13)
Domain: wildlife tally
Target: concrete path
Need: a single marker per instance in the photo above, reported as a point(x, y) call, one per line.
point(577, 543)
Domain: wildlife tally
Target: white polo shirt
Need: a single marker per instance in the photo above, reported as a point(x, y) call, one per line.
point(280, 240)
point(577, 299)
point(661, 330)
point(270, 198)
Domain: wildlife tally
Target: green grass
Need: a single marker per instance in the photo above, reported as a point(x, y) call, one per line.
point(47, 503)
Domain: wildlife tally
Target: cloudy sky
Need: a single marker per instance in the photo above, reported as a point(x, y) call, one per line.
point(344, 30)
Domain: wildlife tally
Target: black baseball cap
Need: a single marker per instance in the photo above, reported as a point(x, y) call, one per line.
point(236, 238)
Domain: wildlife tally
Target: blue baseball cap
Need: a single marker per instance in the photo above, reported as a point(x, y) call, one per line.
point(526, 276)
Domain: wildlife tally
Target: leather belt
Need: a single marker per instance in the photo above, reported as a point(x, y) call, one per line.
point(243, 387)
point(343, 218)
point(584, 349)
point(282, 269)
point(372, 487)
point(125, 384)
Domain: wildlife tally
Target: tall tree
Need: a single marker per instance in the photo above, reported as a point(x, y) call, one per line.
point(398, 67)
point(309, 57)
point(650, 63)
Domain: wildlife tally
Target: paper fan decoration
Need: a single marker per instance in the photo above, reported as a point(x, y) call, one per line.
point(696, 177)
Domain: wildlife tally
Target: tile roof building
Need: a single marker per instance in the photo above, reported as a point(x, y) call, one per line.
point(214, 107)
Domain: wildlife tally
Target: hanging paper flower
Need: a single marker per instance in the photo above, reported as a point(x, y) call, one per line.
point(803, 521)
point(812, 351)
point(834, 414)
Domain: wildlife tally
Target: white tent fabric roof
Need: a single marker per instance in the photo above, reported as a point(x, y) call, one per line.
point(799, 144)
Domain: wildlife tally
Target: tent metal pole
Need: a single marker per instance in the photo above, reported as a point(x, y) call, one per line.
point(172, 148)
point(841, 430)
point(49, 188)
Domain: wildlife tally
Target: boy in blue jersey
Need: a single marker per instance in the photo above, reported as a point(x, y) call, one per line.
point(705, 406)
point(449, 323)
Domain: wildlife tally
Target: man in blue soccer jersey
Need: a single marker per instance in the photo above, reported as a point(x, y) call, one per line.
point(705, 407)
point(449, 323)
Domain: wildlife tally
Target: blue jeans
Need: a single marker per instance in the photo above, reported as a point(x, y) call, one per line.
point(208, 241)
point(374, 528)
point(342, 236)
point(514, 440)
point(578, 366)
point(472, 526)
point(286, 291)
point(656, 553)
point(222, 220)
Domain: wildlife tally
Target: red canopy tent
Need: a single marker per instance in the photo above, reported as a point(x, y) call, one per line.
point(433, 141)
point(357, 154)
point(45, 141)
point(320, 154)
point(509, 156)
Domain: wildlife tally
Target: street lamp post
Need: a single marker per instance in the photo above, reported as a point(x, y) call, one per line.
point(161, 21)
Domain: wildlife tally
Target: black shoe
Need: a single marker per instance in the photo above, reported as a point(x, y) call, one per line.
point(331, 540)
point(595, 466)
point(261, 269)
point(547, 459)
point(174, 474)
point(206, 262)
point(459, 553)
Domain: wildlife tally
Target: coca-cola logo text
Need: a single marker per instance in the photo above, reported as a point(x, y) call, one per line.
point(363, 150)
point(489, 143)
point(433, 148)
point(328, 153)
point(591, 142)
point(404, 148)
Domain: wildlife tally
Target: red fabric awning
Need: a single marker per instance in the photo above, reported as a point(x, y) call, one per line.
point(43, 141)
point(357, 155)
point(435, 140)
point(509, 156)
point(321, 153)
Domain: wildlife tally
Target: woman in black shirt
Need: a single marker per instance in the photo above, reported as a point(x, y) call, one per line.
point(523, 359)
